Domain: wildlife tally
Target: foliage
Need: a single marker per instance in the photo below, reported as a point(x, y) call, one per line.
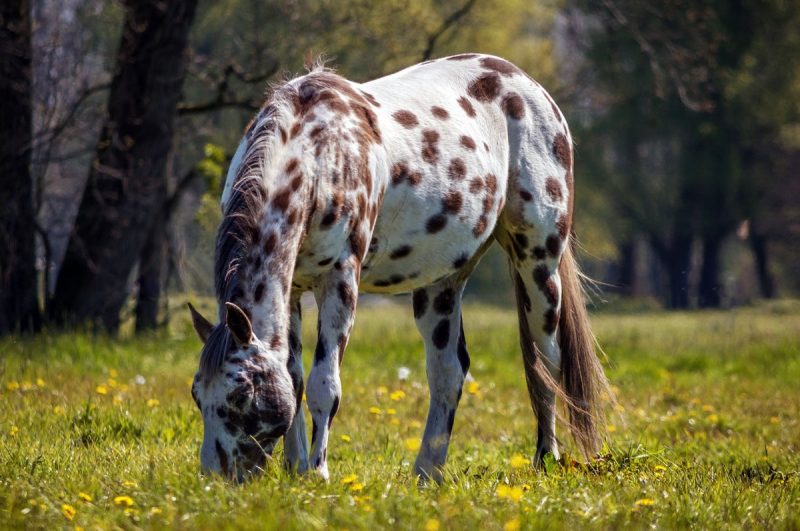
point(706, 433)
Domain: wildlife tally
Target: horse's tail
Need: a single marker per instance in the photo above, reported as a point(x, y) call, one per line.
point(583, 380)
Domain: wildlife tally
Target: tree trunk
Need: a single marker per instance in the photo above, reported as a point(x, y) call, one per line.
point(678, 260)
point(626, 277)
point(758, 243)
point(19, 306)
point(151, 265)
point(709, 291)
point(127, 184)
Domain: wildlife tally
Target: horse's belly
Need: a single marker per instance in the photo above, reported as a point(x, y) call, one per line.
point(419, 239)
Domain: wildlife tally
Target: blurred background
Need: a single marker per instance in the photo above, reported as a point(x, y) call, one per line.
point(118, 120)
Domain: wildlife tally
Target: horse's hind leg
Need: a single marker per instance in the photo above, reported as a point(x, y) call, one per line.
point(437, 311)
point(538, 291)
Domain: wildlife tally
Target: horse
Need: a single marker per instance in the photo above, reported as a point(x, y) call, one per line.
point(396, 185)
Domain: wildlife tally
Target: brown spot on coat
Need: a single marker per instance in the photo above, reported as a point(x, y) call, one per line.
point(430, 149)
point(501, 66)
point(452, 202)
point(441, 334)
point(553, 245)
point(443, 303)
point(562, 226)
point(525, 195)
point(457, 169)
point(467, 142)
point(467, 106)
point(400, 252)
point(475, 185)
point(358, 244)
point(370, 98)
point(346, 295)
point(406, 118)
point(553, 189)
point(562, 150)
point(462, 57)
point(259, 292)
point(281, 199)
point(292, 165)
point(513, 106)
point(269, 243)
point(419, 301)
point(485, 88)
point(480, 226)
point(439, 112)
point(551, 317)
point(296, 128)
point(436, 223)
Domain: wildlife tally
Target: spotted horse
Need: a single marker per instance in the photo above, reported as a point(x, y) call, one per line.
point(393, 186)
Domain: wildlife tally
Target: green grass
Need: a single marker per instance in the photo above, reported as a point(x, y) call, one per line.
point(706, 433)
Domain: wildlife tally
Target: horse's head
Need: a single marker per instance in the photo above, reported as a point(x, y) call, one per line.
point(244, 393)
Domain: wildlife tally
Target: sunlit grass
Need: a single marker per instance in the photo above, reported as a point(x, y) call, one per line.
point(98, 432)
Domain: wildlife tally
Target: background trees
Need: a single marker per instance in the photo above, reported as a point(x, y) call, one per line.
point(685, 118)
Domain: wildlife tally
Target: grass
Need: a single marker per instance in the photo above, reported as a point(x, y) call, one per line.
point(103, 433)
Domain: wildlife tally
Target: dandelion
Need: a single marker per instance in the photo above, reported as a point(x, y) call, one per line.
point(113, 373)
point(84, 497)
point(346, 438)
point(611, 428)
point(40, 382)
point(356, 487)
point(14, 431)
point(391, 411)
point(518, 461)
point(126, 501)
point(708, 408)
point(139, 380)
point(432, 524)
point(375, 410)
point(155, 511)
point(395, 421)
point(413, 444)
point(12, 385)
point(129, 484)
point(111, 382)
point(645, 502)
point(397, 395)
point(659, 469)
point(506, 492)
point(152, 402)
point(382, 390)
point(101, 389)
point(350, 478)
point(403, 373)
point(68, 511)
point(512, 525)
point(473, 387)
point(713, 418)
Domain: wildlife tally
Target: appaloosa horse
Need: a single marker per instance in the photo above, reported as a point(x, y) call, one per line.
point(392, 186)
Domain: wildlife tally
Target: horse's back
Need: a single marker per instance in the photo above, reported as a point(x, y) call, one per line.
point(454, 131)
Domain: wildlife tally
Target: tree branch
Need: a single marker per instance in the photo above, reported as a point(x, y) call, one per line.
point(223, 99)
point(447, 23)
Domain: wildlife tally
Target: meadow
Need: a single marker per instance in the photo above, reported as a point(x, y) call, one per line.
point(102, 433)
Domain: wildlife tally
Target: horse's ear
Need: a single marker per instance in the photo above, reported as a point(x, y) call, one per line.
point(238, 324)
point(201, 324)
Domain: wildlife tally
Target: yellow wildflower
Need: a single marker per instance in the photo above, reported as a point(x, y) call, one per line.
point(26, 385)
point(713, 418)
point(355, 487)
point(59, 410)
point(397, 395)
point(346, 438)
point(391, 411)
point(659, 469)
point(152, 402)
point(12, 385)
point(708, 408)
point(507, 492)
point(611, 428)
point(129, 484)
point(14, 431)
point(155, 511)
point(40, 382)
point(511, 525)
point(645, 502)
point(68, 511)
point(111, 382)
point(518, 461)
point(375, 410)
point(413, 444)
point(113, 373)
point(394, 421)
point(123, 500)
point(473, 387)
point(382, 390)
point(350, 478)
point(84, 497)
point(101, 389)
point(432, 525)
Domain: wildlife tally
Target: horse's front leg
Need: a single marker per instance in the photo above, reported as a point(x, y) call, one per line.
point(336, 299)
point(295, 440)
